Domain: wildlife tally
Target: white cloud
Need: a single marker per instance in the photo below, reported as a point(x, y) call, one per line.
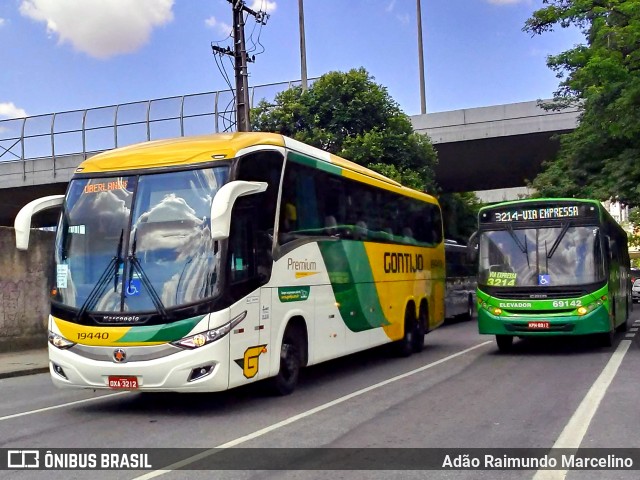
point(9, 110)
point(221, 27)
point(404, 18)
point(100, 28)
point(2, 21)
point(391, 6)
point(263, 5)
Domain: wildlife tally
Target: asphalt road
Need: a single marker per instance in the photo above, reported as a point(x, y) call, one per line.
point(460, 392)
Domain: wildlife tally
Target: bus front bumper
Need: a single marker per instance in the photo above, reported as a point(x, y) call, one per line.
point(203, 369)
point(539, 325)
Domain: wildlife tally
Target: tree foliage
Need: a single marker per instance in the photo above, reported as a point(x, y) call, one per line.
point(349, 115)
point(600, 158)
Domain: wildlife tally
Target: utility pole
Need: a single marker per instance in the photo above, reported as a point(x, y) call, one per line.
point(240, 61)
point(242, 75)
point(423, 101)
point(303, 48)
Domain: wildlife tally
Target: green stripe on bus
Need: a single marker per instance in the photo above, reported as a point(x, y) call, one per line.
point(161, 333)
point(313, 163)
point(353, 286)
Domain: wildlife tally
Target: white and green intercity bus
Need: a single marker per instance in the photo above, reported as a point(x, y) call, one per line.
point(551, 267)
point(210, 262)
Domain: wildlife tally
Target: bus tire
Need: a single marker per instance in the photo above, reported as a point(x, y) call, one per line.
point(404, 347)
point(286, 380)
point(421, 330)
point(505, 342)
point(606, 339)
point(623, 327)
point(468, 315)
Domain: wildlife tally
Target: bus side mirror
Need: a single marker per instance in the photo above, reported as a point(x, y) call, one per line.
point(22, 223)
point(222, 205)
point(472, 247)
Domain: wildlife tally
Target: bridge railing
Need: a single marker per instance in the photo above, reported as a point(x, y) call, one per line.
point(85, 132)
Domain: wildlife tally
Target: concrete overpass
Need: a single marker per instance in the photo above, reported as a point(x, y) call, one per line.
point(488, 149)
point(496, 149)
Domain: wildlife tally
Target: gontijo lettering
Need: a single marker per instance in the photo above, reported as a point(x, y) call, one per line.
point(403, 262)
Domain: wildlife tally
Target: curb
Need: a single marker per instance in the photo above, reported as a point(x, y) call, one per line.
point(24, 372)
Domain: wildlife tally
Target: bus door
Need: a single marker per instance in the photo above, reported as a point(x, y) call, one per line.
point(249, 342)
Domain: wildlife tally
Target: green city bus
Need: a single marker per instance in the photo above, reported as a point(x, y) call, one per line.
point(553, 266)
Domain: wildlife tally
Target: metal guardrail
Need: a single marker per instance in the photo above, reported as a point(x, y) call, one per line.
point(85, 132)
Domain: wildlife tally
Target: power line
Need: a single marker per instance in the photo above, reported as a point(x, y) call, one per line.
point(239, 54)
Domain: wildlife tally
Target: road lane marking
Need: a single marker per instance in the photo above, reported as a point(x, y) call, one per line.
point(630, 335)
point(300, 416)
point(575, 430)
point(62, 405)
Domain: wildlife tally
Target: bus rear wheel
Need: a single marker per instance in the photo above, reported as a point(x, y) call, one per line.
point(420, 330)
point(505, 342)
point(405, 346)
point(290, 363)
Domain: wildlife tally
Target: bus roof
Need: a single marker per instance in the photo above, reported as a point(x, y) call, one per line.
point(192, 150)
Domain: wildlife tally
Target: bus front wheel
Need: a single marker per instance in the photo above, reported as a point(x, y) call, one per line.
point(290, 363)
point(505, 342)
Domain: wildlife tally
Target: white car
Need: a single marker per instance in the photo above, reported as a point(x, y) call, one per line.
point(635, 291)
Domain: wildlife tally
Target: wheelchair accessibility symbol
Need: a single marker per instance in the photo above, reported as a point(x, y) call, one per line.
point(134, 287)
point(544, 279)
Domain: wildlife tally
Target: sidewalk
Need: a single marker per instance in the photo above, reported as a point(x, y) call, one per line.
point(25, 362)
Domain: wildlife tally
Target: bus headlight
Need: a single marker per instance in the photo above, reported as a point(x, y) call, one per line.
point(59, 341)
point(204, 338)
point(582, 311)
point(496, 311)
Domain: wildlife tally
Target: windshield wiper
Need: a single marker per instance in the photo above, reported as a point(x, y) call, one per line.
point(102, 282)
point(523, 248)
point(556, 243)
point(134, 264)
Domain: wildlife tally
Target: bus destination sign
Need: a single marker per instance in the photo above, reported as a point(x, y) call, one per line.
point(537, 213)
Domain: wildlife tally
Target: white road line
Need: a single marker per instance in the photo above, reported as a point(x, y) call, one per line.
point(630, 335)
point(300, 416)
point(62, 405)
point(633, 329)
point(575, 430)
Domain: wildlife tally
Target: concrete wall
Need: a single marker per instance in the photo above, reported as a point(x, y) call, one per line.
point(24, 290)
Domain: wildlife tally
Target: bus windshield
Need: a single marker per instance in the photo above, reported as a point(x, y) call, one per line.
point(138, 243)
point(541, 257)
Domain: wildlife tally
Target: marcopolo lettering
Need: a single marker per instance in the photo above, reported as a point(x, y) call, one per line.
point(403, 262)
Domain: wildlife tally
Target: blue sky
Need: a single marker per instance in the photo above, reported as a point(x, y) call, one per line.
point(61, 55)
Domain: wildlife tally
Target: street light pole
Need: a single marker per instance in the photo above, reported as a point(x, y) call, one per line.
point(303, 49)
point(423, 101)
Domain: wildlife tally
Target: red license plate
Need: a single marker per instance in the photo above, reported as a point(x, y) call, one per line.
point(125, 383)
point(538, 325)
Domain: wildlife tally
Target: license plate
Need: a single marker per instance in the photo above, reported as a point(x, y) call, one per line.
point(538, 325)
point(125, 383)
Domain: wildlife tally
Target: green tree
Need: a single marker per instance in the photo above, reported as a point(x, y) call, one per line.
point(349, 115)
point(600, 158)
